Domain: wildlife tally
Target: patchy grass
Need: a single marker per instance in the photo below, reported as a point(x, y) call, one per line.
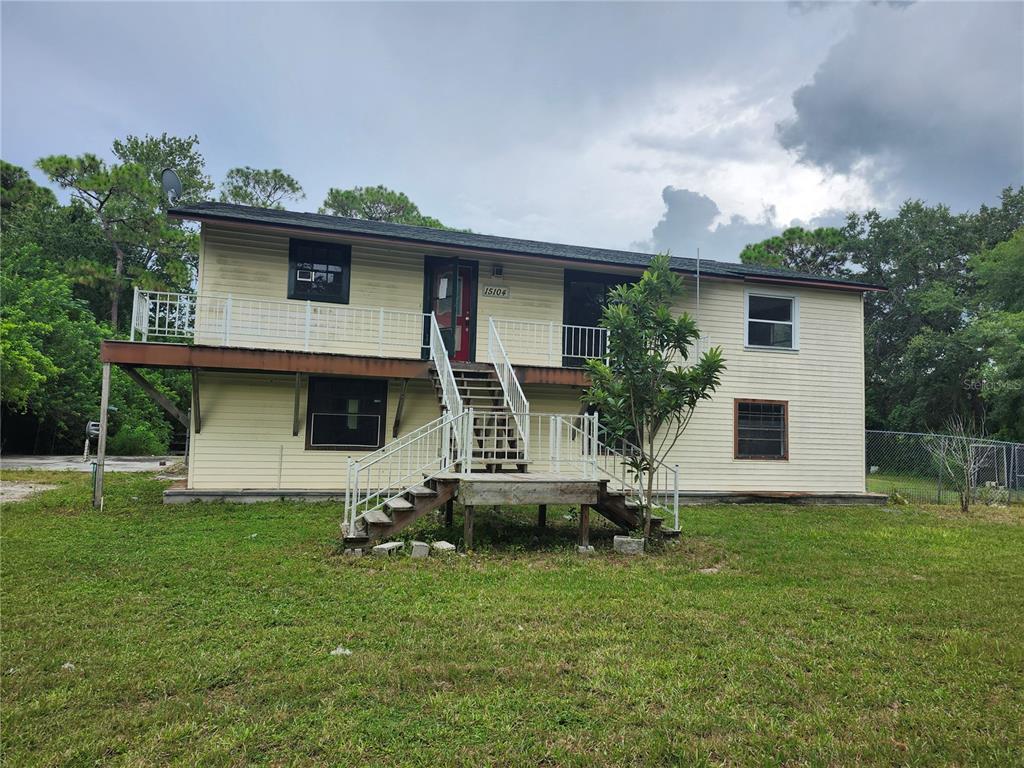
point(202, 635)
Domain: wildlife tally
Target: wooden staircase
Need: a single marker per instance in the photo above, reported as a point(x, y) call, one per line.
point(496, 439)
point(402, 511)
point(622, 510)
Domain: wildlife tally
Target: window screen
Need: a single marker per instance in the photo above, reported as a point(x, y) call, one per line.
point(770, 321)
point(319, 271)
point(761, 430)
point(346, 413)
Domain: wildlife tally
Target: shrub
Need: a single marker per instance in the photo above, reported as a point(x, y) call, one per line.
point(137, 440)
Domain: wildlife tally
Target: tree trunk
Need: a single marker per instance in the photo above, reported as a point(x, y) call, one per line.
point(115, 293)
point(649, 500)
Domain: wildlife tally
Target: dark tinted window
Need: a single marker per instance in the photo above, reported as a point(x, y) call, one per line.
point(770, 322)
point(761, 430)
point(319, 271)
point(770, 308)
point(346, 413)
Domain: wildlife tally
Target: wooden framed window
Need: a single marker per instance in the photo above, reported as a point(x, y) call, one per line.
point(346, 414)
point(761, 429)
point(771, 321)
point(319, 271)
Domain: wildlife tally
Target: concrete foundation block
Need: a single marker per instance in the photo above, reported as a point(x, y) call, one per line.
point(391, 548)
point(627, 545)
point(420, 549)
point(354, 552)
point(585, 550)
point(443, 547)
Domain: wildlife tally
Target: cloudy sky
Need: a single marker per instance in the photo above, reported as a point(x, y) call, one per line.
point(648, 126)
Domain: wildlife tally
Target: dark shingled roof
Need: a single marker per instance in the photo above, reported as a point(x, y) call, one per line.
point(211, 211)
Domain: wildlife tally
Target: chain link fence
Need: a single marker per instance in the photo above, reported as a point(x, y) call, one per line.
point(916, 466)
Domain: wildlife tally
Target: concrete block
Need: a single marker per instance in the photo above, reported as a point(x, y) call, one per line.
point(443, 547)
point(354, 552)
point(420, 549)
point(585, 550)
point(391, 548)
point(627, 545)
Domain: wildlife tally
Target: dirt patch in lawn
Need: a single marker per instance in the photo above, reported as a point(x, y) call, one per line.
point(18, 491)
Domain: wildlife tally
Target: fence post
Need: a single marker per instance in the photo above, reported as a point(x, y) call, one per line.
point(941, 463)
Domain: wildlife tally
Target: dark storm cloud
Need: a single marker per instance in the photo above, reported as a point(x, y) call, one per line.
point(926, 100)
point(687, 223)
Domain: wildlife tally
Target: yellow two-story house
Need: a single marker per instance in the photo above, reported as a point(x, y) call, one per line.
point(343, 357)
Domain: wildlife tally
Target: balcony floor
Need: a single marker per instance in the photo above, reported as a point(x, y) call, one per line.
point(144, 354)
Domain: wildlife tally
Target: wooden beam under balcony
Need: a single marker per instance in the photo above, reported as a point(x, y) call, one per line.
point(161, 355)
point(154, 355)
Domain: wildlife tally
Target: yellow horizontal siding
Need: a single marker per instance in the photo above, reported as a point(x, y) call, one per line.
point(247, 439)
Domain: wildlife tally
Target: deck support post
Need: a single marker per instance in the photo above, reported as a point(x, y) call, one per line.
point(197, 414)
point(584, 537)
point(296, 398)
point(101, 447)
point(449, 509)
point(542, 516)
point(467, 527)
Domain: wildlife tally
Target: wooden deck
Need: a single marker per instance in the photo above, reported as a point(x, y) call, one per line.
point(476, 488)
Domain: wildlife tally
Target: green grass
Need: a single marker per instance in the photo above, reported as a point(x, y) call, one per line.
point(201, 635)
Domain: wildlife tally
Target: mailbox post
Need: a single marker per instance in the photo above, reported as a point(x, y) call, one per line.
point(101, 447)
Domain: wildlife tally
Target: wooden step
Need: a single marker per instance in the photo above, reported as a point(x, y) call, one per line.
point(399, 505)
point(420, 491)
point(377, 517)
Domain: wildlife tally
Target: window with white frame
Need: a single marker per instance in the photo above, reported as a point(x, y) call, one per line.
point(771, 321)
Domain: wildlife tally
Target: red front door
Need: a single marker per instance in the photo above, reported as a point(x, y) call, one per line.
point(464, 321)
point(452, 293)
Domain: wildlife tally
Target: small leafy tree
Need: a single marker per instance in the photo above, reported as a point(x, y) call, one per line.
point(645, 391)
point(259, 187)
point(958, 457)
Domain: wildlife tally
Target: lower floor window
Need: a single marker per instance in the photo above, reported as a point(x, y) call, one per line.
point(762, 429)
point(346, 413)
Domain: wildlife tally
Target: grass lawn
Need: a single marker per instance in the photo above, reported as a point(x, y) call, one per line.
point(202, 635)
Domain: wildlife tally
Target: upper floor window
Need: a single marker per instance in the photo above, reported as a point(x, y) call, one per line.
point(319, 271)
point(772, 321)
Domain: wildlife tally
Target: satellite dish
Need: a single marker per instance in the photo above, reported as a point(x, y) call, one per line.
point(171, 184)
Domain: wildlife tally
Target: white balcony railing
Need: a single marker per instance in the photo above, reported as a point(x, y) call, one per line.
point(231, 321)
point(529, 342)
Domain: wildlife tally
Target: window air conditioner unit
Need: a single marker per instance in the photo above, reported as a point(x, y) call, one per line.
point(304, 275)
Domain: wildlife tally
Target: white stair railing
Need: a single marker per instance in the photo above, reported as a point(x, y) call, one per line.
point(450, 397)
point(515, 401)
point(610, 456)
point(390, 472)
